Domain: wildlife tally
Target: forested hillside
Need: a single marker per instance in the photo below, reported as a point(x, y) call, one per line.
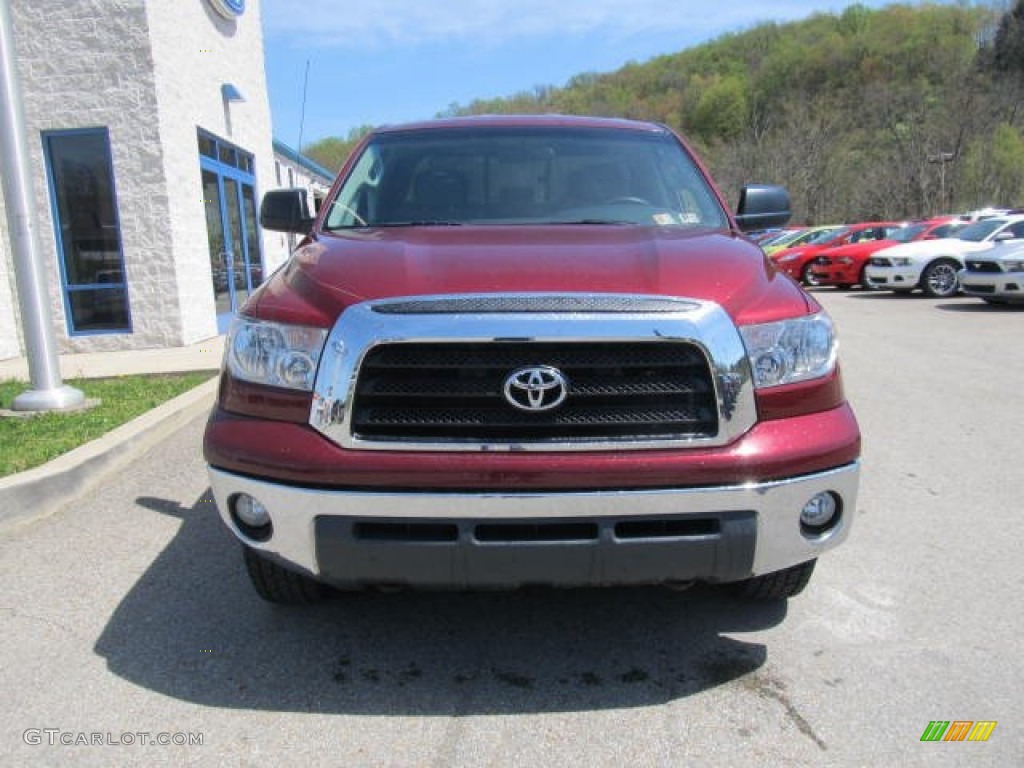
point(900, 112)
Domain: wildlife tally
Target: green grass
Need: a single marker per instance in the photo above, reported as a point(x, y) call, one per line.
point(29, 442)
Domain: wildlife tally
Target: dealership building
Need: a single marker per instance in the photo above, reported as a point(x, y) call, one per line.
point(149, 132)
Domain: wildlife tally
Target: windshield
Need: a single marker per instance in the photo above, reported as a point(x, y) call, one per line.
point(980, 230)
point(905, 234)
point(786, 238)
point(828, 235)
point(524, 175)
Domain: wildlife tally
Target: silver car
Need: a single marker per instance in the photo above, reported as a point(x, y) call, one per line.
point(997, 276)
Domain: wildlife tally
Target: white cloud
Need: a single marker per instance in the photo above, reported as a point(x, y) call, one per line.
point(384, 23)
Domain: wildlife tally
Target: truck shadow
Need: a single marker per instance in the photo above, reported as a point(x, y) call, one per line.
point(192, 628)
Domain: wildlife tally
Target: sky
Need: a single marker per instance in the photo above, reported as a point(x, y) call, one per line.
point(373, 62)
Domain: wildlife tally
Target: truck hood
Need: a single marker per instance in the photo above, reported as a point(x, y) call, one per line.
point(339, 269)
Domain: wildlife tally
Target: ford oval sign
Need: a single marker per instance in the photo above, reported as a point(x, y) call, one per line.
point(228, 9)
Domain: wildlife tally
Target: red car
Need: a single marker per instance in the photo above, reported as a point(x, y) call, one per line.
point(798, 261)
point(844, 265)
point(530, 350)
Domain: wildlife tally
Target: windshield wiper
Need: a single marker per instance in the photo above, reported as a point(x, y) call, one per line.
point(602, 222)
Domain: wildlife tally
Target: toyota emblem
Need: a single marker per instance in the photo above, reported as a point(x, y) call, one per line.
point(537, 388)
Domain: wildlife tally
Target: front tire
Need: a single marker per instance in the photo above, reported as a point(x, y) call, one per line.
point(807, 277)
point(939, 279)
point(277, 584)
point(863, 281)
point(777, 585)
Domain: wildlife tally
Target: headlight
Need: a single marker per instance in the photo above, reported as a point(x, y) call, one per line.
point(901, 261)
point(791, 350)
point(274, 354)
point(1013, 265)
point(791, 256)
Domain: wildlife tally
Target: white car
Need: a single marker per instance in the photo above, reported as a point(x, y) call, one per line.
point(997, 276)
point(932, 265)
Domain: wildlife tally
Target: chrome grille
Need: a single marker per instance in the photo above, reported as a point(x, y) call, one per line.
point(983, 266)
point(399, 375)
point(452, 391)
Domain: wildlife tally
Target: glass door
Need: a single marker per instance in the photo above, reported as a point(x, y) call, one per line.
point(217, 238)
point(229, 196)
point(236, 244)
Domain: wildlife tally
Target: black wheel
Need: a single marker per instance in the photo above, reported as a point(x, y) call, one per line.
point(277, 584)
point(863, 282)
point(779, 585)
point(807, 277)
point(939, 279)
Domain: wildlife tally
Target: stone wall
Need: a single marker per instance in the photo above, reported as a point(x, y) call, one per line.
point(195, 52)
point(90, 68)
point(151, 74)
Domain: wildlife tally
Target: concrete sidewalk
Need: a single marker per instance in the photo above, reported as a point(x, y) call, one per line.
point(204, 356)
point(46, 489)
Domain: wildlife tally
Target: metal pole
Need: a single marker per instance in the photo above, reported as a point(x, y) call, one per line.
point(47, 392)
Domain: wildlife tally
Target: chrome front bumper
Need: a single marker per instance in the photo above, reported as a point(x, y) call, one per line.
point(893, 278)
point(1007, 286)
point(303, 517)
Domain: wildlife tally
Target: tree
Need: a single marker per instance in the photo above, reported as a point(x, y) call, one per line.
point(1009, 43)
point(332, 152)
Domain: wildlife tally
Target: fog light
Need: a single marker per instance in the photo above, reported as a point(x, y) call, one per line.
point(251, 517)
point(820, 513)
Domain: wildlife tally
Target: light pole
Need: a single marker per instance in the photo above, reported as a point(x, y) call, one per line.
point(942, 158)
point(47, 392)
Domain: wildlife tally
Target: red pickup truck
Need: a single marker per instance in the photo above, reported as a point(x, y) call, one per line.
point(530, 350)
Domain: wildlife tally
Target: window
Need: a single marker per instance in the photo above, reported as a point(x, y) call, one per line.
point(88, 233)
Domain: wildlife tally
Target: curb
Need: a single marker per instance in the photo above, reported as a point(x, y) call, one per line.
point(41, 491)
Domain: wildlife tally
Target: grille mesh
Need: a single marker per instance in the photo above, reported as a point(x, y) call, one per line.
point(434, 392)
point(983, 266)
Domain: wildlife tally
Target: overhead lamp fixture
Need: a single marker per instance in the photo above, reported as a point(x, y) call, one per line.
point(230, 93)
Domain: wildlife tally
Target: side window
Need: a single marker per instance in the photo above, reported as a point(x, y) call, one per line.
point(871, 233)
point(1017, 229)
point(356, 203)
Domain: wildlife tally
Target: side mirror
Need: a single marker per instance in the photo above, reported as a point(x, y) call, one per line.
point(286, 210)
point(762, 206)
point(1002, 237)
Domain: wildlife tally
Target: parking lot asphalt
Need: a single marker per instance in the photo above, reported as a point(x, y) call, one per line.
point(127, 612)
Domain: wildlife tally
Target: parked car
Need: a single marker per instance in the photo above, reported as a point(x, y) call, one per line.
point(845, 265)
point(797, 261)
point(933, 265)
point(530, 350)
point(997, 277)
point(766, 236)
point(799, 237)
